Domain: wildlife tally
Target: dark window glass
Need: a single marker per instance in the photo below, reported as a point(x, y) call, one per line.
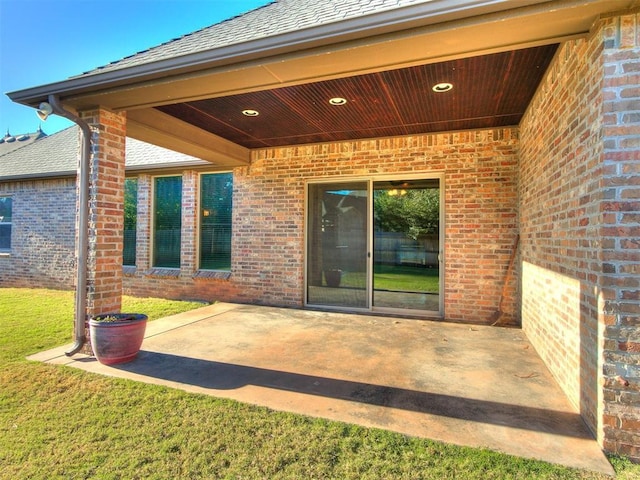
point(130, 221)
point(216, 206)
point(167, 222)
point(6, 204)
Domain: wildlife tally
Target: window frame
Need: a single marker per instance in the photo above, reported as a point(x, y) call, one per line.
point(10, 223)
point(152, 249)
point(135, 253)
point(199, 213)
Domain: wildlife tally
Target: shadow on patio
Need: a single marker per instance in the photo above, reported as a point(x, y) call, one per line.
point(213, 375)
point(462, 384)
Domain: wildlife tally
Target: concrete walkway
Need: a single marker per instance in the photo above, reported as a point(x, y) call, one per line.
point(461, 384)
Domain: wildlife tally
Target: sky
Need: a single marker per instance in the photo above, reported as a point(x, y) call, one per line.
point(46, 41)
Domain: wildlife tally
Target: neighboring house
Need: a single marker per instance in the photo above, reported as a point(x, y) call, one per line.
point(38, 203)
point(521, 118)
point(8, 144)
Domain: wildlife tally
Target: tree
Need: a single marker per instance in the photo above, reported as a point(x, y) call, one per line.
point(414, 213)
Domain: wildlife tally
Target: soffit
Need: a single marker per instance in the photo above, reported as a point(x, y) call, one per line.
point(495, 62)
point(488, 91)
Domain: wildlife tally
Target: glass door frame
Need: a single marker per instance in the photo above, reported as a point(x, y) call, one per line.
point(337, 182)
point(370, 180)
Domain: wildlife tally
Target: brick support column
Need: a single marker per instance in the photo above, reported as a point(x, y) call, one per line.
point(188, 254)
point(143, 229)
point(106, 211)
point(620, 304)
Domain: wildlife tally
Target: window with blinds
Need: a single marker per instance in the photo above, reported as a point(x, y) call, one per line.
point(216, 205)
point(130, 221)
point(6, 206)
point(167, 221)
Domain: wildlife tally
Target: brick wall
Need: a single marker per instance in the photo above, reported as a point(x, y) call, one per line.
point(560, 169)
point(143, 226)
point(620, 312)
point(190, 214)
point(42, 248)
point(480, 170)
point(106, 211)
point(579, 221)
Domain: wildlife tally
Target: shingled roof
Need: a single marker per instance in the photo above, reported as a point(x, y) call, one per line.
point(10, 142)
point(57, 156)
point(275, 18)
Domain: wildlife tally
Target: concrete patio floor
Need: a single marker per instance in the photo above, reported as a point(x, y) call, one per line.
point(462, 384)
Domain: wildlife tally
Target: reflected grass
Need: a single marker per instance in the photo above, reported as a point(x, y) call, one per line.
point(396, 278)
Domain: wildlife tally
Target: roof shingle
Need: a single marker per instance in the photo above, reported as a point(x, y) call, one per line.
point(275, 18)
point(57, 156)
point(9, 142)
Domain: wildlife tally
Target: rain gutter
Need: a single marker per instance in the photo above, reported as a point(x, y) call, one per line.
point(83, 225)
point(37, 176)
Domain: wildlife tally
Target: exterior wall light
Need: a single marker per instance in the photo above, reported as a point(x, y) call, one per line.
point(44, 110)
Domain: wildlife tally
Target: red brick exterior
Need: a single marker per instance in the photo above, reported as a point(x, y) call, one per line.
point(567, 180)
point(560, 169)
point(42, 251)
point(579, 221)
point(620, 231)
point(480, 170)
point(106, 211)
point(189, 233)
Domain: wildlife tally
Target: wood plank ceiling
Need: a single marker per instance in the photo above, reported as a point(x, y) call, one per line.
point(488, 91)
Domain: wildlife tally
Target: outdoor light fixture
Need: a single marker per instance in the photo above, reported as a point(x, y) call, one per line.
point(442, 87)
point(338, 101)
point(250, 113)
point(44, 111)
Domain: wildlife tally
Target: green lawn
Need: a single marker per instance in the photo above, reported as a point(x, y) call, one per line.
point(406, 278)
point(61, 423)
point(399, 278)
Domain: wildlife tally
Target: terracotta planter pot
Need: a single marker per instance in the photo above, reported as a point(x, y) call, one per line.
point(118, 340)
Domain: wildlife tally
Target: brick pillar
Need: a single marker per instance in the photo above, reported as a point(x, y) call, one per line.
point(188, 254)
point(106, 210)
point(143, 226)
point(620, 304)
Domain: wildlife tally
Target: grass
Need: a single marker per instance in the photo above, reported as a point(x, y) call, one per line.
point(61, 423)
point(398, 278)
point(406, 278)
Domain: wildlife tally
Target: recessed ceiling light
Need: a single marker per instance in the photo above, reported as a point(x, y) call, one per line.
point(442, 87)
point(338, 101)
point(250, 113)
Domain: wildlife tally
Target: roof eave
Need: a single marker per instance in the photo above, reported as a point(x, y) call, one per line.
point(196, 164)
point(403, 18)
point(38, 176)
point(129, 169)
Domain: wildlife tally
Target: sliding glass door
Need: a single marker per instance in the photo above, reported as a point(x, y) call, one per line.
point(337, 245)
point(406, 240)
point(375, 245)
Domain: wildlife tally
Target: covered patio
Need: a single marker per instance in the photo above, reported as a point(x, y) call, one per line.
point(526, 114)
point(457, 383)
